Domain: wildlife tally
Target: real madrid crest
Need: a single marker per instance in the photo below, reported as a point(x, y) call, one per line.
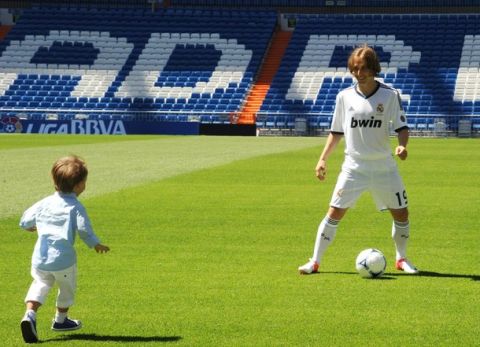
point(380, 108)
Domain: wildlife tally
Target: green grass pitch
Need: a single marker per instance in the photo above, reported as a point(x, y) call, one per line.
point(207, 234)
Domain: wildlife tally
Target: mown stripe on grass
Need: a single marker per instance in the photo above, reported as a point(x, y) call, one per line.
point(16, 141)
point(25, 172)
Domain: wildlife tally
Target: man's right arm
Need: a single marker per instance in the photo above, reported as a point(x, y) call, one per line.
point(332, 141)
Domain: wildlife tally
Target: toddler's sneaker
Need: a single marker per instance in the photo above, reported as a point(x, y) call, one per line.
point(308, 268)
point(404, 265)
point(68, 324)
point(29, 329)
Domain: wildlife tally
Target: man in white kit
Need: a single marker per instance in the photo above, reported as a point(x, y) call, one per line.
point(363, 114)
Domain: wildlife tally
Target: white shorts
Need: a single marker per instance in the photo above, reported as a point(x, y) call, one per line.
point(380, 178)
point(43, 281)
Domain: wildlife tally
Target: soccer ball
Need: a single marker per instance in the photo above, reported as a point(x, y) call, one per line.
point(371, 263)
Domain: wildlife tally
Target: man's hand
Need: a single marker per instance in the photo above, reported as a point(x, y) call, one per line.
point(321, 170)
point(401, 152)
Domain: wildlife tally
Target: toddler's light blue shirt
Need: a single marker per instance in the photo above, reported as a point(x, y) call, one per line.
point(58, 218)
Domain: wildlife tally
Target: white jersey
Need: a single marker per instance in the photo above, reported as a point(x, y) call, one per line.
point(365, 121)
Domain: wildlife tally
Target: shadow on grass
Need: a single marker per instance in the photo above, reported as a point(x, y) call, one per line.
point(384, 277)
point(114, 338)
point(438, 274)
point(391, 276)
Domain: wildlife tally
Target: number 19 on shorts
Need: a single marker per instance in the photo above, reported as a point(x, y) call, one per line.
point(402, 198)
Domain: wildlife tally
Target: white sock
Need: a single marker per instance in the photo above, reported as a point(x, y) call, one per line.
point(31, 313)
point(60, 317)
point(400, 235)
point(325, 235)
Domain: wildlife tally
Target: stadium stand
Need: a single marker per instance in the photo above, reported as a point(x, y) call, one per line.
point(327, 3)
point(115, 59)
point(107, 60)
point(436, 83)
point(79, 3)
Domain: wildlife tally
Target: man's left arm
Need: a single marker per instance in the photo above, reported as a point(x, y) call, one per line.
point(401, 149)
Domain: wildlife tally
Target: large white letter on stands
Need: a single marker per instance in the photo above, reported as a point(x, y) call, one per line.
point(141, 80)
point(467, 84)
point(95, 79)
point(315, 63)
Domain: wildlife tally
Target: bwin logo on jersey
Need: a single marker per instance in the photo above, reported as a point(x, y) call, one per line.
point(366, 123)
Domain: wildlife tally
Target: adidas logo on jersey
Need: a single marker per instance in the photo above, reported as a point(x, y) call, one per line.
point(366, 123)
